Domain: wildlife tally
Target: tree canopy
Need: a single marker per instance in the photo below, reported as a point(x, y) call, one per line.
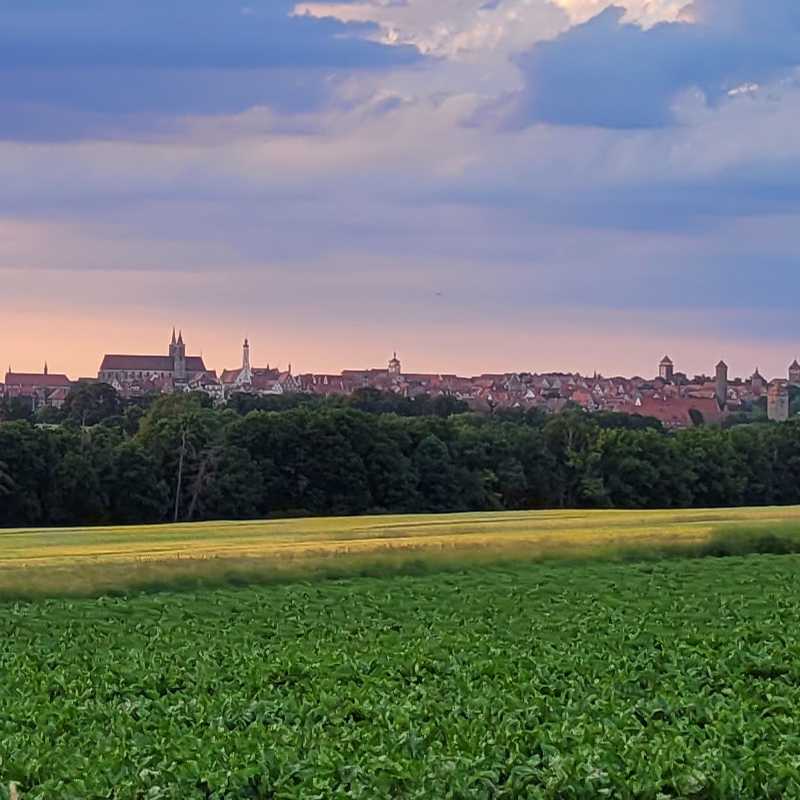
point(114, 461)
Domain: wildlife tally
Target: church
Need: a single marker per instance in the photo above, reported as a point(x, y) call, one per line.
point(257, 380)
point(37, 388)
point(176, 368)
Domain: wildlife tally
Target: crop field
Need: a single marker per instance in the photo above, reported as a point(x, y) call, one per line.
point(96, 560)
point(673, 679)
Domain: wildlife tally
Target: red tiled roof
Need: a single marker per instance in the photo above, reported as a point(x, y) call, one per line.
point(675, 411)
point(263, 378)
point(149, 363)
point(34, 380)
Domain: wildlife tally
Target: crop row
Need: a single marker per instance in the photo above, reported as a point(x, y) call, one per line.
point(679, 679)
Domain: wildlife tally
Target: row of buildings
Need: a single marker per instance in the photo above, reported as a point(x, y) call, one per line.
point(672, 397)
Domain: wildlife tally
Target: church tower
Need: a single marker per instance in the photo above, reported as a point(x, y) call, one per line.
point(722, 385)
point(666, 369)
point(177, 352)
point(246, 375)
point(394, 365)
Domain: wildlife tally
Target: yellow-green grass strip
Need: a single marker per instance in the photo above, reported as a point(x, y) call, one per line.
point(88, 560)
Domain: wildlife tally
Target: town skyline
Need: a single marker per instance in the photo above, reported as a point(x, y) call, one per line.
point(672, 396)
point(459, 181)
point(220, 356)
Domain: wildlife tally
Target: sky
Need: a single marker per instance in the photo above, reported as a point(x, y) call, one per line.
point(478, 185)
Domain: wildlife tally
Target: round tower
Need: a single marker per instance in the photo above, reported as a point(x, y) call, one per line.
point(778, 402)
point(722, 385)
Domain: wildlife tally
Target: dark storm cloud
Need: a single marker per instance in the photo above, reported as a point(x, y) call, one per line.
point(73, 68)
point(174, 33)
point(614, 74)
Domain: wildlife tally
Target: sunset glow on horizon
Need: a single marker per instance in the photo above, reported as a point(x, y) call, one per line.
point(76, 347)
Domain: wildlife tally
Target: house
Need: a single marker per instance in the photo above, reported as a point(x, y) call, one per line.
point(257, 380)
point(39, 389)
point(677, 412)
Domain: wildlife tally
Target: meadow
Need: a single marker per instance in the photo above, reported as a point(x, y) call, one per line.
point(645, 681)
point(92, 561)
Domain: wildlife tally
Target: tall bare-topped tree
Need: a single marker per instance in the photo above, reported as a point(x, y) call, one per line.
point(6, 481)
point(186, 425)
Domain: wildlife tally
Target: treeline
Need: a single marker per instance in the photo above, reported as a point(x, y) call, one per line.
point(103, 460)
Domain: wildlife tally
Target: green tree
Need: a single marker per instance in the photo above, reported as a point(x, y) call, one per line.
point(719, 470)
point(78, 498)
point(437, 477)
point(6, 481)
point(90, 404)
point(27, 453)
point(16, 408)
point(176, 432)
point(136, 492)
point(571, 437)
point(227, 485)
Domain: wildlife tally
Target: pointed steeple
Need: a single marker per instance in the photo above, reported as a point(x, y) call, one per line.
point(173, 336)
point(180, 337)
point(45, 368)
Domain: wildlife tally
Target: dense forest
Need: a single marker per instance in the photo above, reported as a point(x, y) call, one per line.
point(102, 459)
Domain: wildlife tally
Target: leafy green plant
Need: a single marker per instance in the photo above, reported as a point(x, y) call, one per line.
point(543, 681)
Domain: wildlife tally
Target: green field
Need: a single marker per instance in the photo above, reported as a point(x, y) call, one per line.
point(674, 679)
point(95, 560)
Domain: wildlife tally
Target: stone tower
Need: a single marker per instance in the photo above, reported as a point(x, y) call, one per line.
point(722, 385)
point(177, 352)
point(778, 402)
point(666, 369)
point(394, 365)
point(794, 373)
point(246, 374)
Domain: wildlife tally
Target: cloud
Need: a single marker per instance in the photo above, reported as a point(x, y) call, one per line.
point(611, 73)
point(657, 189)
point(97, 68)
point(643, 12)
point(170, 34)
point(469, 29)
point(458, 29)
